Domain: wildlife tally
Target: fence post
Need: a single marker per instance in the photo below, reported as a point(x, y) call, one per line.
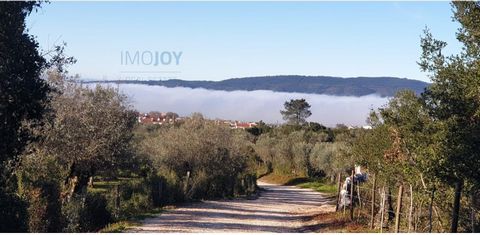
point(410, 212)
point(117, 200)
point(473, 204)
point(430, 211)
point(351, 194)
point(359, 198)
point(399, 207)
point(339, 188)
point(187, 179)
point(372, 219)
point(382, 206)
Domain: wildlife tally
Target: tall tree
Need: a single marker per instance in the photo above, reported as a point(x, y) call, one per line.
point(22, 92)
point(23, 95)
point(91, 131)
point(454, 103)
point(296, 111)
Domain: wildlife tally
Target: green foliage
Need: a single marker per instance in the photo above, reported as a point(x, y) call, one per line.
point(14, 213)
point(452, 100)
point(86, 213)
point(23, 94)
point(306, 151)
point(44, 210)
point(91, 130)
point(296, 111)
point(23, 100)
point(95, 215)
point(201, 158)
point(260, 128)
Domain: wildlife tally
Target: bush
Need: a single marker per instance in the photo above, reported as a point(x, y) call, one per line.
point(131, 198)
point(86, 214)
point(44, 209)
point(95, 214)
point(72, 212)
point(13, 213)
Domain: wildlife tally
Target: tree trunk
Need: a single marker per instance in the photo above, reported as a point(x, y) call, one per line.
point(399, 209)
point(82, 183)
point(90, 182)
point(456, 206)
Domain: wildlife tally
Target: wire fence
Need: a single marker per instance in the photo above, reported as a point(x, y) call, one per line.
point(404, 208)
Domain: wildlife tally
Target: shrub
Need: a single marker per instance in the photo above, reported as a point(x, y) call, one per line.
point(13, 213)
point(87, 213)
point(44, 208)
point(95, 213)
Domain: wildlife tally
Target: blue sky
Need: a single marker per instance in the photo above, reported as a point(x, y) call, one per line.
point(221, 40)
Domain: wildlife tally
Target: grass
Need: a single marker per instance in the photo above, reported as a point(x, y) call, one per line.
point(337, 222)
point(319, 185)
point(123, 225)
point(119, 227)
point(104, 186)
point(280, 179)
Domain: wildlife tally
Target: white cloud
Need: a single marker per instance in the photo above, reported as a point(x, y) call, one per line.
point(249, 105)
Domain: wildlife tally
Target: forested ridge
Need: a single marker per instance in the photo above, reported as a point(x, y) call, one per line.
point(355, 86)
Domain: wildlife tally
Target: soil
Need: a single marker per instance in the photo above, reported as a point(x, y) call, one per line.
point(277, 209)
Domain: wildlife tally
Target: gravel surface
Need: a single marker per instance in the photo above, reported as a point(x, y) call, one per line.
point(278, 209)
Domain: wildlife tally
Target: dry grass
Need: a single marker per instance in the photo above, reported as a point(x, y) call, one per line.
point(319, 185)
point(281, 179)
point(337, 222)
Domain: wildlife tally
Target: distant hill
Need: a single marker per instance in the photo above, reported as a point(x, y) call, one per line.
point(355, 86)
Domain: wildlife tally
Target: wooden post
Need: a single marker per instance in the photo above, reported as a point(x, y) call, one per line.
point(415, 218)
point(372, 218)
point(410, 212)
point(117, 200)
point(473, 202)
point(399, 208)
point(359, 198)
point(339, 189)
point(382, 206)
point(187, 179)
point(351, 194)
point(430, 213)
point(456, 206)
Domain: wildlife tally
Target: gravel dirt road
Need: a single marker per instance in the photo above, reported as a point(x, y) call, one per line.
point(278, 209)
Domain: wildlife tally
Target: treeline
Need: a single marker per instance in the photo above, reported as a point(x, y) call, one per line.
point(91, 163)
point(307, 150)
point(73, 158)
point(429, 143)
point(198, 158)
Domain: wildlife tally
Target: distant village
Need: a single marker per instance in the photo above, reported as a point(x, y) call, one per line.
point(165, 118)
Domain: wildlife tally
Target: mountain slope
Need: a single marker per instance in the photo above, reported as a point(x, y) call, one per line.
point(357, 86)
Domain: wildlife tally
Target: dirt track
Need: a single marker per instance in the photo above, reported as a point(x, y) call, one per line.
point(278, 209)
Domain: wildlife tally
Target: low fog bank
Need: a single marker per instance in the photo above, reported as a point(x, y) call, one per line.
point(249, 105)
